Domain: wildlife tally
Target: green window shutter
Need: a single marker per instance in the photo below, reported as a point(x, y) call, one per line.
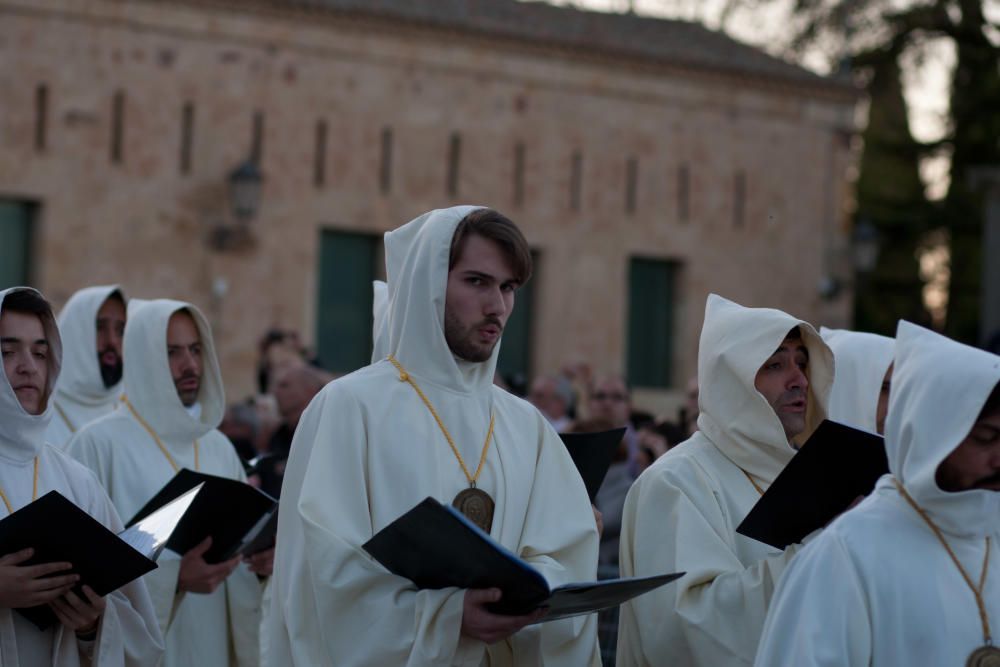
point(650, 322)
point(15, 243)
point(344, 311)
point(515, 350)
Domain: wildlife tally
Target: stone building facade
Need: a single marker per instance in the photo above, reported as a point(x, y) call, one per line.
point(649, 162)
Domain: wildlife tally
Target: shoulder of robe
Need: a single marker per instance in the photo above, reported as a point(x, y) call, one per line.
point(687, 466)
point(518, 408)
point(84, 485)
point(105, 429)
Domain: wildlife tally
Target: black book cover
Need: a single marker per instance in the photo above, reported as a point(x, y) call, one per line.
point(230, 511)
point(593, 453)
point(60, 531)
point(836, 465)
point(436, 547)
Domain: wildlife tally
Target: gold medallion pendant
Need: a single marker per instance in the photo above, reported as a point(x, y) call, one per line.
point(477, 506)
point(984, 656)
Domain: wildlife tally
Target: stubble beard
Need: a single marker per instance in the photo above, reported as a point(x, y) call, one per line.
point(111, 374)
point(461, 341)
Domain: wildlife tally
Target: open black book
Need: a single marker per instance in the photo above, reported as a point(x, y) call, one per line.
point(436, 547)
point(836, 465)
point(59, 531)
point(239, 518)
point(593, 453)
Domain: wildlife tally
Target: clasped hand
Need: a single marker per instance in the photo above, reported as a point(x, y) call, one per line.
point(33, 585)
point(198, 576)
point(480, 623)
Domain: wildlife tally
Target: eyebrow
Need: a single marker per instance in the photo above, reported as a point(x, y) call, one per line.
point(14, 339)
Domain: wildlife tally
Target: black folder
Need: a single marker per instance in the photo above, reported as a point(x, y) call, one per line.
point(233, 513)
point(434, 546)
point(836, 465)
point(60, 531)
point(593, 453)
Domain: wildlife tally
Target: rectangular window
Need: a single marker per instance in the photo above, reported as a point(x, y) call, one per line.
point(385, 162)
point(15, 242)
point(41, 116)
point(576, 181)
point(631, 184)
point(117, 127)
point(319, 159)
point(650, 321)
point(518, 174)
point(454, 159)
point(739, 198)
point(257, 138)
point(344, 312)
point(187, 136)
point(515, 361)
point(683, 193)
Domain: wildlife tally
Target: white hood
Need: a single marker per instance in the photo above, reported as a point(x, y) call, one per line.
point(939, 388)
point(862, 360)
point(735, 343)
point(21, 434)
point(148, 383)
point(380, 323)
point(416, 259)
point(81, 374)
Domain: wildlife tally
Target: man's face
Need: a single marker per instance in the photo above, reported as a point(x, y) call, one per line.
point(609, 401)
point(783, 383)
point(25, 358)
point(184, 356)
point(293, 390)
point(975, 463)
point(545, 396)
point(479, 299)
point(110, 330)
point(883, 402)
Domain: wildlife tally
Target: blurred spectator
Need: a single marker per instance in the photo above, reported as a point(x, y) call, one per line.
point(240, 425)
point(610, 500)
point(295, 385)
point(553, 397)
point(655, 439)
point(611, 402)
point(279, 348)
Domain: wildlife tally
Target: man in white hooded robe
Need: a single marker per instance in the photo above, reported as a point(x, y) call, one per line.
point(764, 379)
point(368, 449)
point(878, 587)
point(860, 394)
point(92, 325)
point(174, 401)
point(126, 634)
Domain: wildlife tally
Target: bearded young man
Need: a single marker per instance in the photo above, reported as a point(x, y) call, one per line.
point(209, 614)
point(119, 629)
point(764, 378)
point(427, 421)
point(92, 324)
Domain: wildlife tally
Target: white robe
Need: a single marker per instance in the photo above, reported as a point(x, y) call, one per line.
point(862, 360)
point(128, 635)
point(81, 396)
point(367, 450)
point(877, 588)
point(682, 512)
point(220, 628)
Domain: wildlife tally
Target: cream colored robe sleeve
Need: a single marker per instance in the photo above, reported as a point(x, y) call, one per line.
point(366, 615)
point(676, 523)
point(819, 616)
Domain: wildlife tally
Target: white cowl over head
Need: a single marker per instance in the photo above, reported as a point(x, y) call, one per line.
point(21, 434)
point(939, 387)
point(735, 343)
point(149, 385)
point(862, 360)
point(416, 262)
point(380, 323)
point(81, 374)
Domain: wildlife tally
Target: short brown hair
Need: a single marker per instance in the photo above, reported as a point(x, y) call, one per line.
point(26, 302)
point(500, 229)
point(992, 403)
